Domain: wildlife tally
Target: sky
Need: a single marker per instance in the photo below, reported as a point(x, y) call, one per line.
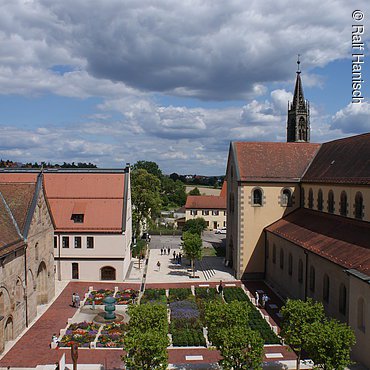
point(174, 82)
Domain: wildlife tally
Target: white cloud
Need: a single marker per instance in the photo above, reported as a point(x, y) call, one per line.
point(354, 118)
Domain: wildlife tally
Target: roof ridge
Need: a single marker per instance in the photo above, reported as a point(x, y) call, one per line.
point(11, 216)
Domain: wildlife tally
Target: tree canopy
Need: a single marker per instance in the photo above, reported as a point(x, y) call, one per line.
point(194, 191)
point(195, 225)
point(192, 247)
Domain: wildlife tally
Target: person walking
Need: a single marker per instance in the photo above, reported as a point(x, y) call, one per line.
point(180, 255)
point(161, 251)
point(257, 299)
point(169, 250)
point(174, 255)
point(73, 299)
point(221, 289)
point(159, 266)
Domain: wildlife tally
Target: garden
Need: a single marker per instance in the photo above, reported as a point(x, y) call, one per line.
point(123, 297)
point(84, 333)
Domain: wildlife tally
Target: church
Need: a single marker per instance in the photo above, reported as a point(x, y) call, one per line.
point(298, 217)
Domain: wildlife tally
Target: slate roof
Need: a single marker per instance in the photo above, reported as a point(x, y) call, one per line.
point(341, 240)
point(273, 162)
point(15, 202)
point(342, 161)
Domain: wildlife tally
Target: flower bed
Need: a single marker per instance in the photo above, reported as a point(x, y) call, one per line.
point(125, 296)
point(256, 320)
point(179, 294)
point(154, 296)
point(202, 297)
point(98, 296)
point(186, 327)
point(112, 335)
point(81, 333)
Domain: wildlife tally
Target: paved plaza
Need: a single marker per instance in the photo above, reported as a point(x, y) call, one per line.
point(33, 348)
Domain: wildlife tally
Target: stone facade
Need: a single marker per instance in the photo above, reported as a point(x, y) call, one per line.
point(27, 274)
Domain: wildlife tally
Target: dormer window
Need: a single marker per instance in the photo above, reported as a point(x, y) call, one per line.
point(77, 218)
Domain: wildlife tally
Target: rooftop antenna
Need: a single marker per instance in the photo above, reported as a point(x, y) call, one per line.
point(298, 63)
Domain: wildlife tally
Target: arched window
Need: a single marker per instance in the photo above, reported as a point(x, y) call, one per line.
point(359, 205)
point(286, 198)
point(300, 271)
point(18, 291)
point(281, 258)
point(331, 201)
point(301, 130)
point(310, 198)
point(290, 264)
point(361, 314)
point(343, 203)
point(319, 200)
point(274, 253)
point(108, 273)
point(312, 278)
point(326, 288)
point(342, 299)
point(257, 197)
point(303, 200)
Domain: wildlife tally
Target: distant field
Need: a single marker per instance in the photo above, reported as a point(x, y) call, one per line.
point(204, 190)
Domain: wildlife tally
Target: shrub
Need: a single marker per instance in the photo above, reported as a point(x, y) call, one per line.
point(179, 294)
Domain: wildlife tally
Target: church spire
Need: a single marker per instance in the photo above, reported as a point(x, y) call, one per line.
point(298, 128)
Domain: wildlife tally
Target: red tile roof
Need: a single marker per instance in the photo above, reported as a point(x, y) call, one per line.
point(261, 161)
point(342, 161)
point(98, 196)
point(12, 177)
point(341, 240)
point(205, 202)
point(224, 190)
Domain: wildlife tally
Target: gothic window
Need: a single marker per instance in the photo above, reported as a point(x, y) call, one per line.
point(326, 288)
point(361, 314)
point(257, 197)
point(342, 299)
point(359, 205)
point(286, 198)
point(343, 203)
point(310, 198)
point(281, 258)
point(302, 129)
point(300, 271)
point(274, 253)
point(290, 264)
point(312, 278)
point(319, 200)
point(302, 197)
point(331, 201)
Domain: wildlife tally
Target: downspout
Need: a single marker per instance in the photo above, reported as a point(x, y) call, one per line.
point(26, 284)
point(265, 259)
point(306, 277)
point(59, 272)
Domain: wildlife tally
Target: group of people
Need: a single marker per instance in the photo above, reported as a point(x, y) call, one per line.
point(264, 299)
point(177, 257)
point(163, 251)
point(76, 300)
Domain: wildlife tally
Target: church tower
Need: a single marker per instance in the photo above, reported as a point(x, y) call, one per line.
point(298, 128)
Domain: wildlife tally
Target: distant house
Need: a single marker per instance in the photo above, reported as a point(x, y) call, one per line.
point(91, 209)
point(26, 253)
point(211, 207)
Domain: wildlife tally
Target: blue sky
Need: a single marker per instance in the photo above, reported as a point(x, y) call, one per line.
point(171, 82)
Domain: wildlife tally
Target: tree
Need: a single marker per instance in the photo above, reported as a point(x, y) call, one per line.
point(298, 316)
point(145, 197)
point(172, 192)
point(195, 225)
point(194, 191)
point(146, 340)
point(329, 344)
point(241, 348)
point(219, 315)
point(192, 246)
point(145, 350)
point(148, 166)
point(146, 316)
